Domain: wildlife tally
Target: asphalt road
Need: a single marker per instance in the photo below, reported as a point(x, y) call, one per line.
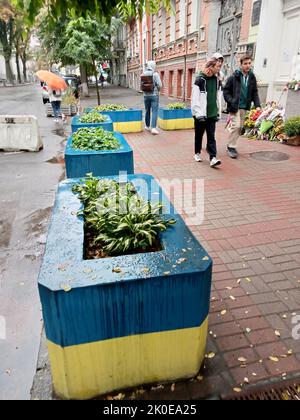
point(28, 182)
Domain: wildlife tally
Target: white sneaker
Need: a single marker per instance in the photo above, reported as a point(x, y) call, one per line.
point(147, 128)
point(198, 157)
point(215, 162)
point(154, 131)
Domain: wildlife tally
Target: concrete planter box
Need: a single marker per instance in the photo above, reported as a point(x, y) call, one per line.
point(175, 119)
point(68, 110)
point(293, 103)
point(19, 132)
point(129, 121)
point(108, 331)
point(107, 125)
point(100, 163)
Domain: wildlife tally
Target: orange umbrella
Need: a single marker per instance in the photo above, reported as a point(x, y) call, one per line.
point(52, 80)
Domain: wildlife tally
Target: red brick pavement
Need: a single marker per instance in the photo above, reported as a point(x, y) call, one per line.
point(252, 231)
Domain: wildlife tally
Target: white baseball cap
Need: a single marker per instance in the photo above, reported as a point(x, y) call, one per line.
point(218, 56)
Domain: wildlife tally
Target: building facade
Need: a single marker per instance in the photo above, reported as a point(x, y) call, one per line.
point(180, 41)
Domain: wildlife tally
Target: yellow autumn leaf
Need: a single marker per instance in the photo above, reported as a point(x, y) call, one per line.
point(238, 390)
point(66, 287)
point(205, 258)
point(277, 333)
point(246, 380)
point(200, 378)
point(274, 359)
point(173, 387)
point(242, 360)
point(117, 270)
point(224, 312)
point(232, 298)
point(248, 280)
point(211, 355)
point(167, 273)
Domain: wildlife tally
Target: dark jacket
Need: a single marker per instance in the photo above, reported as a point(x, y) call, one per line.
point(232, 92)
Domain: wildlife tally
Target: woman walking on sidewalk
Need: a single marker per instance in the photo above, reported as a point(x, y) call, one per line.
point(55, 97)
point(206, 109)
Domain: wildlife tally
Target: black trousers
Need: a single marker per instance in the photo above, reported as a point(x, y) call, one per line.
point(208, 125)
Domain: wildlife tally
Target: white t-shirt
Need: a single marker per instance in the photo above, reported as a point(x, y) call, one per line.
point(55, 95)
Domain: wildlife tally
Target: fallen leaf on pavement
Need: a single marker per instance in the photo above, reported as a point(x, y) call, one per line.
point(173, 387)
point(274, 359)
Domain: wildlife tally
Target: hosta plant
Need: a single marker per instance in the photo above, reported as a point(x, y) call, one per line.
point(117, 220)
point(94, 139)
point(177, 105)
point(93, 117)
point(111, 107)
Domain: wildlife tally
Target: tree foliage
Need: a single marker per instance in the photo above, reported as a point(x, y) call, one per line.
point(99, 8)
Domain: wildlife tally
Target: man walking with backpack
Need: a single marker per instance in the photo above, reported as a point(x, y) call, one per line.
point(240, 92)
point(151, 86)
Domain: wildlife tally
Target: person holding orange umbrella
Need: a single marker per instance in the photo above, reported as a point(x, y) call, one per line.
point(56, 85)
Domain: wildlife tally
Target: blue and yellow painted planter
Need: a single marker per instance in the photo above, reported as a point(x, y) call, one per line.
point(107, 125)
point(110, 330)
point(128, 121)
point(175, 119)
point(100, 163)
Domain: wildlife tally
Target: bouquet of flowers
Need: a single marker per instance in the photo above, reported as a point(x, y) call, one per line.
point(266, 124)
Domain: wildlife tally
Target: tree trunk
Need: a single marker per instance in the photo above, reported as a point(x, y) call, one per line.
point(97, 84)
point(18, 65)
point(8, 70)
point(24, 62)
point(84, 82)
point(6, 32)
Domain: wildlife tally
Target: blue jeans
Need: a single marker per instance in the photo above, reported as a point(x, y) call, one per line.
point(151, 104)
point(56, 108)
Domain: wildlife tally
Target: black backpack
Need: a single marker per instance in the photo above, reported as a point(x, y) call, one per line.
point(147, 83)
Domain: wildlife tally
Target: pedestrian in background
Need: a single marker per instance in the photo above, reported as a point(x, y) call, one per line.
point(151, 86)
point(206, 109)
point(55, 98)
point(240, 92)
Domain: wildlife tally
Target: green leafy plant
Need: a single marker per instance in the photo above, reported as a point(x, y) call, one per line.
point(111, 107)
point(93, 117)
point(117, 220)
point(292, 127)
point(94, 138)
point(177, 105)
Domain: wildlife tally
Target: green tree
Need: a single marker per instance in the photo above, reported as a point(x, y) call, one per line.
point(99, 8)
point(7, 14)
point(88, 44)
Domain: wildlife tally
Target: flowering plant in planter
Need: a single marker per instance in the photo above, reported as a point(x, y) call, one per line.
point(118, 221)
point(94, 139)
point(177, 105)
point(111, 107)
point(93, 117)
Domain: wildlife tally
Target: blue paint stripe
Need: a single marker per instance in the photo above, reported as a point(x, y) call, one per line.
point(104, 312)
point(174, 114)
point(131, 115)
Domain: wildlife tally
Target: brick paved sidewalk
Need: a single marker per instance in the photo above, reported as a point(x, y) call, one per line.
point(252, 231)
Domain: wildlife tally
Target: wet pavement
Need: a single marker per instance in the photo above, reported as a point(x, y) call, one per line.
point(28, 183)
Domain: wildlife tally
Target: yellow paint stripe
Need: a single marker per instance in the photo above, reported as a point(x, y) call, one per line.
point(177, 124)
point(88, 370)
point(128, 127)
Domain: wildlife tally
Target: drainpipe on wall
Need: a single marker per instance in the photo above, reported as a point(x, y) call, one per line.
point(186, 47)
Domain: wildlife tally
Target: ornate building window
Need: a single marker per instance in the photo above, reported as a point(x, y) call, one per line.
point(256, 12)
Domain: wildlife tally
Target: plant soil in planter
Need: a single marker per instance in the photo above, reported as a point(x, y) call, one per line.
point(175, 119)
point(123, 321)
point(100, 163)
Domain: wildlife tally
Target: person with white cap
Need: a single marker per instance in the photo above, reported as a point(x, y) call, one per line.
point(220, 57)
